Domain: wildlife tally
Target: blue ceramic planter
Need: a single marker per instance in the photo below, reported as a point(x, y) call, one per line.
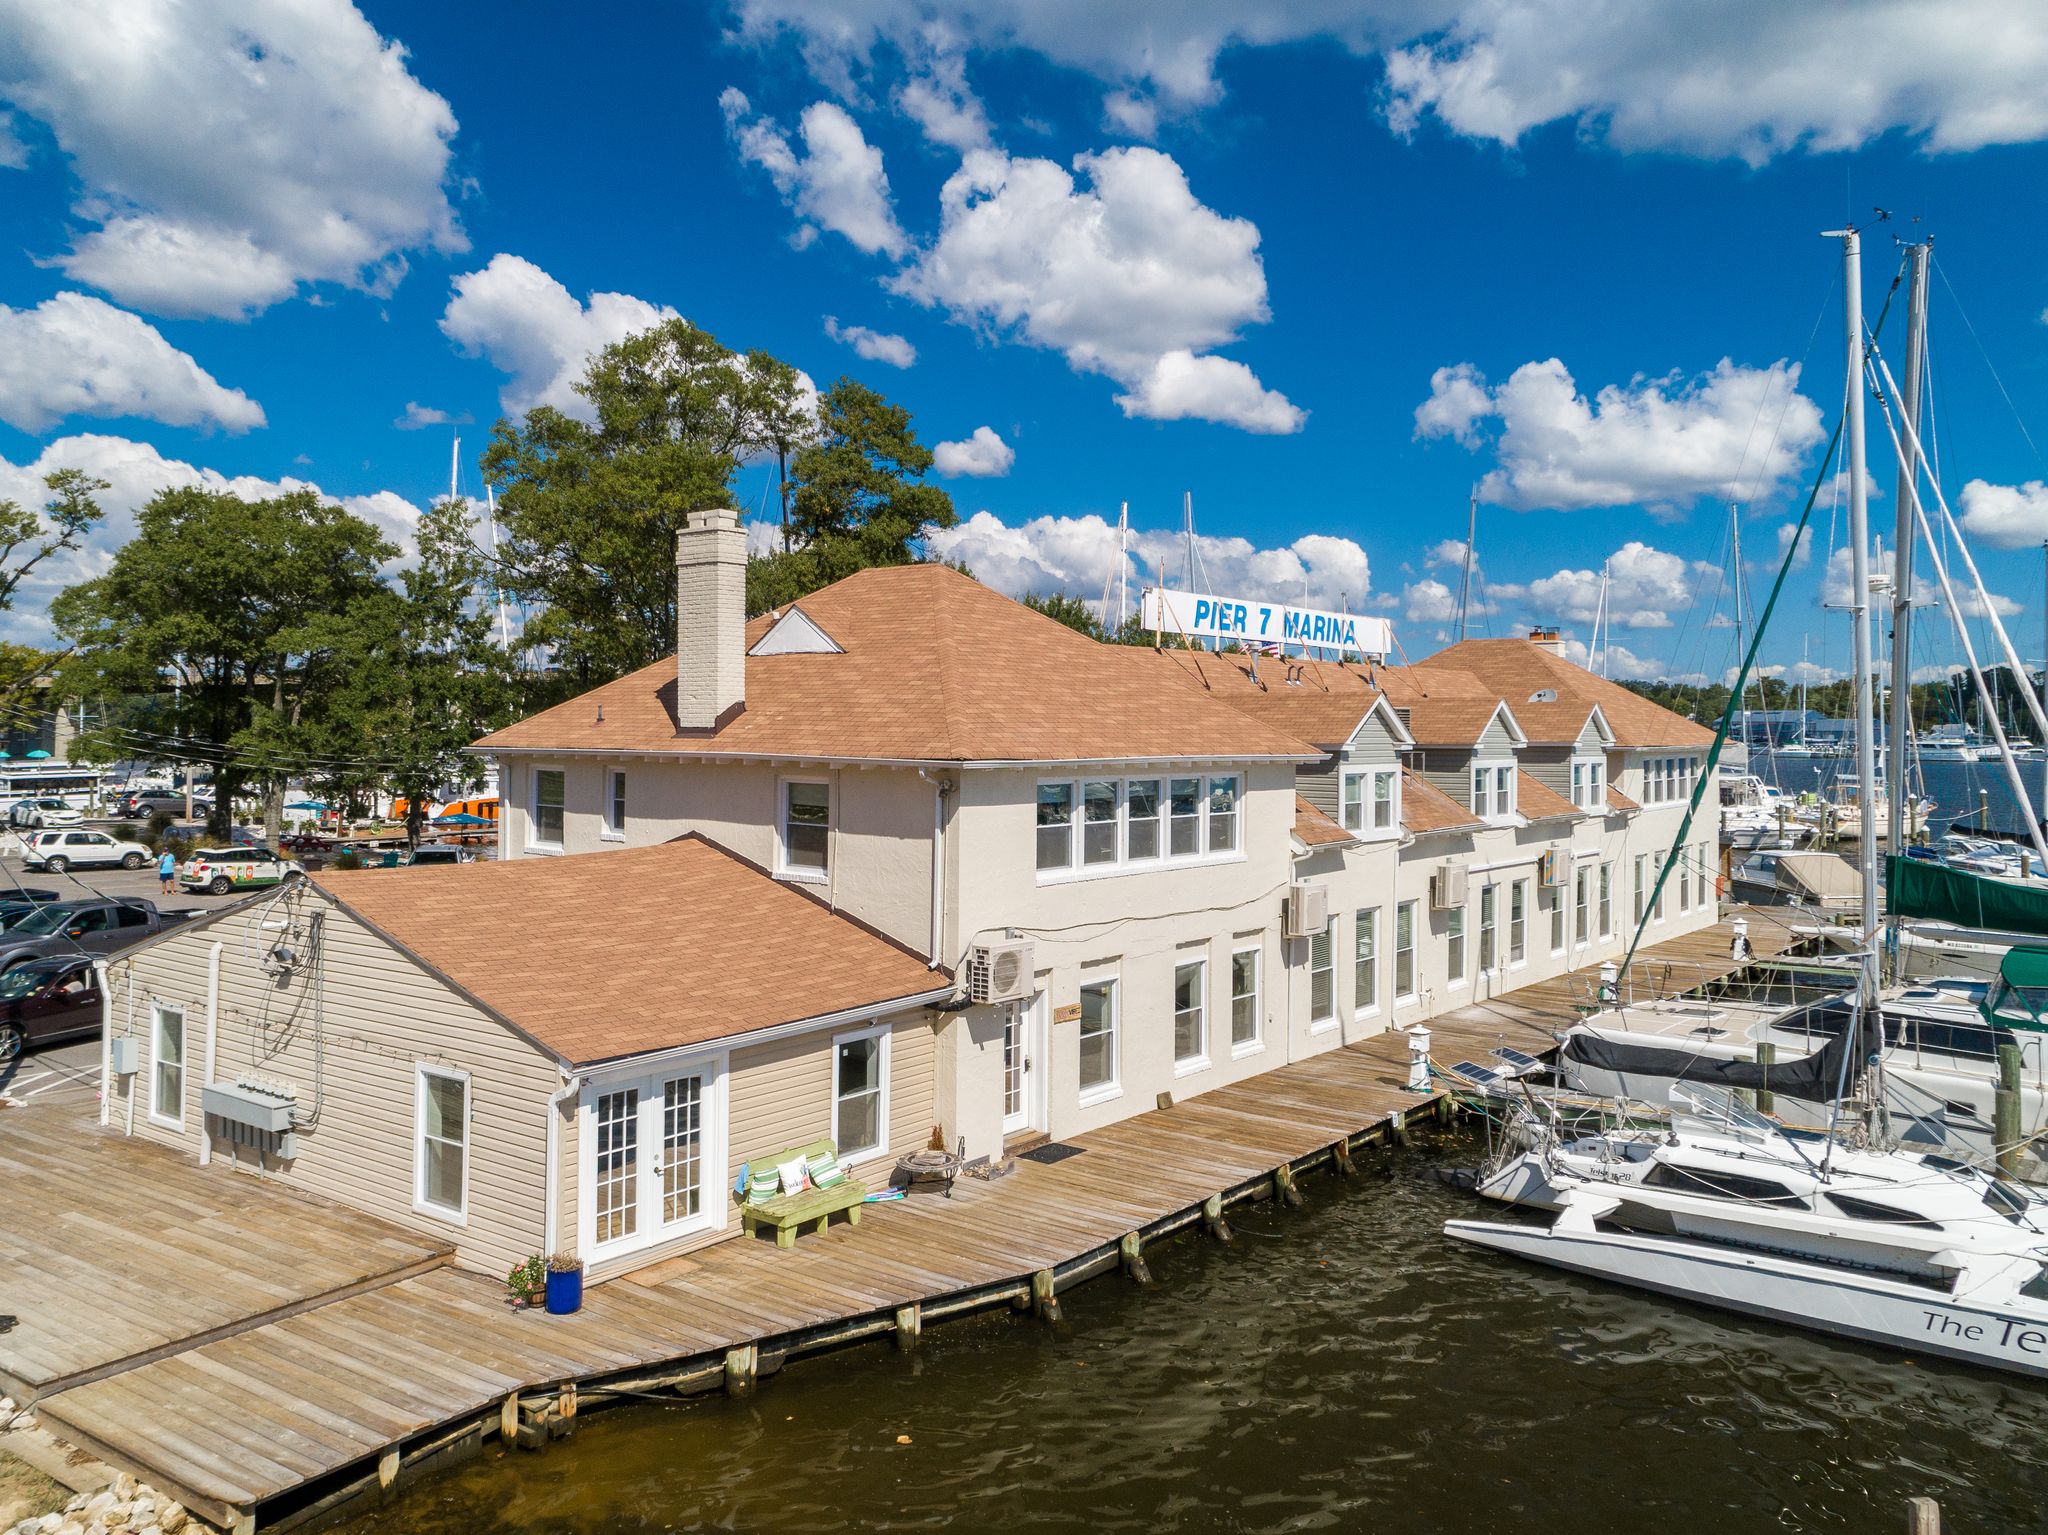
point(565, 1293)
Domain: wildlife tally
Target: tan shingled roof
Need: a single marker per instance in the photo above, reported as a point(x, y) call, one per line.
point(1320, 702)
point(1425, 807)
point(1538, 801)
point(1314, 829)
point(603, 955)
point(1616, 800)
point(936, 668)
point(1517, 668)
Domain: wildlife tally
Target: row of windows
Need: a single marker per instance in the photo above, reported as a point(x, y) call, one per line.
point(1110, 823)
point(550, 803)
point(1669, 780)
point(1100, 1024)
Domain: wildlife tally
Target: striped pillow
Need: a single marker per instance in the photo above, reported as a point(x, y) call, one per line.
point(763, 1184)
point(825, 1171)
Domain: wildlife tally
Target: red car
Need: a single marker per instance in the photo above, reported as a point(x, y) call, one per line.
point(45, 1000)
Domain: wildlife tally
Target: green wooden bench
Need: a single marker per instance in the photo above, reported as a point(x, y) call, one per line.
point(789, 1213)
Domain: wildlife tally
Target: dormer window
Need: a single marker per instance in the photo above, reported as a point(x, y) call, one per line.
point(1589, 783)
point(1493, 791)
point(1372, 801)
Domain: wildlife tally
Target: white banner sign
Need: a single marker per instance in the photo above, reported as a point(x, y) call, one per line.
point(1256, 624)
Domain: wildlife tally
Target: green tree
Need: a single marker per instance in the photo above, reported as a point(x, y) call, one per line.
point(233, 623)
point(27, 539)
point(590, 510)
point(860, 499)
point(1065, 608)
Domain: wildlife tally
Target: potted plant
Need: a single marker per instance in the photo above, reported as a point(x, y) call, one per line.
point(564, 1284)
point(526, 1281)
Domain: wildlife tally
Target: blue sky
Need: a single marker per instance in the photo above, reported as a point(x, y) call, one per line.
point(1226, 250)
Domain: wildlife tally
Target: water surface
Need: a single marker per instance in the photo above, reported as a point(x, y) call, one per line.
point(1341, 1367)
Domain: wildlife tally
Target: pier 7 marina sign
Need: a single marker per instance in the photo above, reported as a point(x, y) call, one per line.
point(1199, 615)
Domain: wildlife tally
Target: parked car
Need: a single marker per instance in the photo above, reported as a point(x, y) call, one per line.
point(45, 1000)
point(57, 851)
point(432, 855)
point(143, 805)
point(64, 928)
point(21, 903)
point(43, 812)
point(223, 869)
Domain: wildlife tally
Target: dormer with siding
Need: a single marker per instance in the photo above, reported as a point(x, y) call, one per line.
point(1468, 749)
point(1359, 785)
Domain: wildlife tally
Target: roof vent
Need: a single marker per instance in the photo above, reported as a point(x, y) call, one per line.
point(1543, 696)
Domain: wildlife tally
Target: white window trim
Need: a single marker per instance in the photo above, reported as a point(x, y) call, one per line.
point(1369, 778)
point(157, 1010)
point(1414, 951)
point(1528, 889)
point(1492, 954)
point(1464, 974)
point(1257, 1042)
point(606, 830)
point(1594, 769)
point(1604, 908)
point(716, 1212)
point(532, 808)
point(1113, 1089)
point(1200, 1060)
point(880, 1031)
point(1379, 964)
point(784, 869)
point(1323, 1025)
point(421, 1205)
point(1494, 814)
point(1582, 925)
point(1077, 871)
point(1562, 925)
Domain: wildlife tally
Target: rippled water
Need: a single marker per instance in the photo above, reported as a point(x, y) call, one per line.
point(1341, 1367)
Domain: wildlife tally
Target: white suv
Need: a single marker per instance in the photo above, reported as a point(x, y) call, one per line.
point(57, 851)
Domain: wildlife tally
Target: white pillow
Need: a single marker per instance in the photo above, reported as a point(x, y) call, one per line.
point(795, 1177)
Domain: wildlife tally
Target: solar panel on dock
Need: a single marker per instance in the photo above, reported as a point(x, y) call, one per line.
point(1521, 1060)
point(1485, 1076)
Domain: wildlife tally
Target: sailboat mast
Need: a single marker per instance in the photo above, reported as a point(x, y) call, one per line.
point(1903, 541)
point(1741, 619)
point(1859, 610)
point(2041, 810)
point(454, 466)
point(1465, 573)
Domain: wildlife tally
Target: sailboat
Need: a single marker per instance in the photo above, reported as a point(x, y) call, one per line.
point(1722, 1206)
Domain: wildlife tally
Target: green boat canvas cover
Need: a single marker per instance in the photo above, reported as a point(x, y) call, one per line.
point(1916, 889)
point(2019, 998)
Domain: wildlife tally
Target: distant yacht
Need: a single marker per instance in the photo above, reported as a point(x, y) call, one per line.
point(1952, 743)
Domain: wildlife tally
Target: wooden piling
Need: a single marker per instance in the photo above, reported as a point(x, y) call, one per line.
point(387, 1467)
point(565, 1407)
point(1283, 1185)
point(1340, 1156)
point(2005, 1110)
point(1045, 1299)
point(1398, 1124)
point(1212, 1218)
point(739, 1370)
point(1766, 1057)
point(508, 1419)
point(909, 1326)
point(1923, 1516)
point(1131, 1252)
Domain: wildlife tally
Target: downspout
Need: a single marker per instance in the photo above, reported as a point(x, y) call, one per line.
point(940, 789)
point(212, 1044)
point(571, 1085)
point(99, 970)
point(133, 1085)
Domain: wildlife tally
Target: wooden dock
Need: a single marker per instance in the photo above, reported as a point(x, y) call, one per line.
point(294, 1412)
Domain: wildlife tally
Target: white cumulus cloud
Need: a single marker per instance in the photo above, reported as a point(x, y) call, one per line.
point(838, 183)
point(875, 345)
point(417, 416)
point(939, 100)
point(1129, 276)
point(1078, 555)
point(1836, 587)
point(1619, 662)
point(76, 355)
point(2005, 516)
point(536, 330)
point(984, 455)
point(227, 153)
point(1732, 433)
point(1647, 588)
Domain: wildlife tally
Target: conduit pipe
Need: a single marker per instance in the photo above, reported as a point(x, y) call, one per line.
point(99, 971)
point(940, 789)
point(571, 1085)
point(212, 1045)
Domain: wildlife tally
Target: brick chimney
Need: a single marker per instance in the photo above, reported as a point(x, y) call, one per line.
point(1547, 639)
point(711, 619)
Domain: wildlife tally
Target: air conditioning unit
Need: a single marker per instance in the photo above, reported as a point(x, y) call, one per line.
point(1447, 888)
point(999, 972)
point(1308, 910)
point(1551, 869)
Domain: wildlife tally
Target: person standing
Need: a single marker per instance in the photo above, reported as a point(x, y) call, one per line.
point(167, 872)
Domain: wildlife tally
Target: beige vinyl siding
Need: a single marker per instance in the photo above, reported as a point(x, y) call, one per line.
point(378, 1015)
point(1318, 785)
point(1373, 746)
point(1550, 766)
point(1448, 768)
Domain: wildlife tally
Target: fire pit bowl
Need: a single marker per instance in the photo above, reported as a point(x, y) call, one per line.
point(928, 1172)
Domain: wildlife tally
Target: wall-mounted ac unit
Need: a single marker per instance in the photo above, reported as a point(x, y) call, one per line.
point(1551, 869)
point(1308, 910)
point(1447, 887)
point(999, 972)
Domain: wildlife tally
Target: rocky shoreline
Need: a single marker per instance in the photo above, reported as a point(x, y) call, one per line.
point(124, 1504)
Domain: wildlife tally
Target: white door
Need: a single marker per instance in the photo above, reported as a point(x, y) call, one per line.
point(1022, 1051)
point(653, 1157)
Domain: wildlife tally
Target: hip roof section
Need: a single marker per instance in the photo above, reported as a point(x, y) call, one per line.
point(1519, 671)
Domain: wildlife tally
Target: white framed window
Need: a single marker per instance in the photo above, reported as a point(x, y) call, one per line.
point(615, 807)
point(1322, 976)
point(1489, 912)
point(1518, 922)
point(1055, 826)
point(1493, 790)
point(441, 1142)
point(1504, 796)
point(1607, 899)
point(1099, 840)
point(806, 849)
point(1660, 873)
point(1482, 792)
point(1454, 946)
point(1642, 886)
point(1098, 1041)
point(1365, 962)
point(167, 1065)
point(550, 797)
point(1582, 903)
point(1684, 882)
point(1356, 786)
point(860, 1093)
point(1223, 803)
point(1190, 1015)
point(654, 1155)
point(1372, 800)
point(1555, 896)
point(1589, 782)
point(1144, 821)
point(1404, 951)
point(1244, 1001)
point(1184, 804)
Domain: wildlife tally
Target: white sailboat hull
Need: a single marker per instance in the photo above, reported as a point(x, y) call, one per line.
point(1873, 1308)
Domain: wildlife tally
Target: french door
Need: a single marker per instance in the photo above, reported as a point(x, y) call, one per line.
point(654, 1157)
point(1023, 1050)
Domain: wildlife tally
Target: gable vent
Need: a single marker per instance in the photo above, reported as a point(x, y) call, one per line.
point(1543, 696)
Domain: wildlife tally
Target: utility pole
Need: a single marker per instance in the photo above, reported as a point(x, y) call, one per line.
point(1903, 540)
point(1859, 610)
